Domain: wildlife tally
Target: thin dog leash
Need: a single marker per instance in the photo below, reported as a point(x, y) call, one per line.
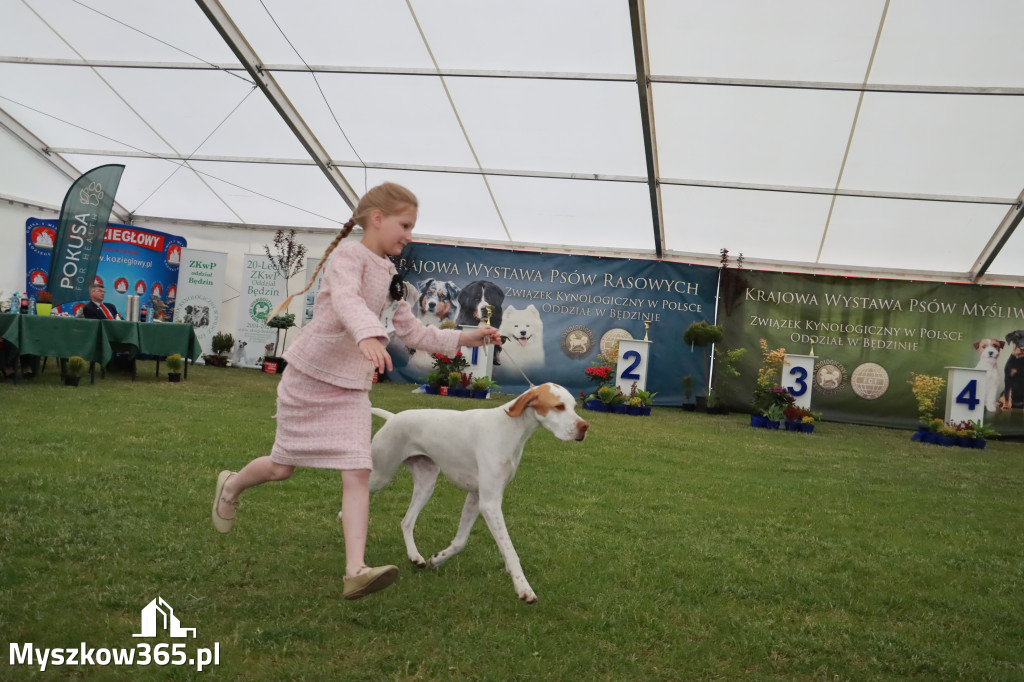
point(519, 369)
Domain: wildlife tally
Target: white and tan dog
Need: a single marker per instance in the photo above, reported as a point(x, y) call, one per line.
point(988, 350)
point(479, 451)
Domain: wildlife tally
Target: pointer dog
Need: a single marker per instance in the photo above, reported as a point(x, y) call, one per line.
point(479, 451)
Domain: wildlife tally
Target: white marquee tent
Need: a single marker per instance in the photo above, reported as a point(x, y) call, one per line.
point(876, 138)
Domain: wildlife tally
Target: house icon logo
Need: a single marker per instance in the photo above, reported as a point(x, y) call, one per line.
point(158, 614)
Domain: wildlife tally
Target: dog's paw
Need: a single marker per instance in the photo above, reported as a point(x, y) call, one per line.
point(418, 561)
point(529, 597)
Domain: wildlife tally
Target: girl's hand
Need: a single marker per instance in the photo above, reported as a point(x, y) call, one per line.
point(374, 351)
point(481, 336)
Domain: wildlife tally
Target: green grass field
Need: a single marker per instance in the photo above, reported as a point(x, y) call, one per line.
point(675, 547)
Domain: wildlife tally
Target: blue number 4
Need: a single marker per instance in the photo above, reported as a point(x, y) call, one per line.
point(968, 396)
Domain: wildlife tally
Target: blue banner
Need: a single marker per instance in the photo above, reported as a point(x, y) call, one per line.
point(133, 262)
point(559, 311)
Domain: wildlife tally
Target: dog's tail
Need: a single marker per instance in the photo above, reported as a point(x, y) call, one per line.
point(383, 414)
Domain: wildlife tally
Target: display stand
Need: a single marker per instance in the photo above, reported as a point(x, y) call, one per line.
point(965, 395)
point(632, 365)
point(798, 378)
point(480, 358)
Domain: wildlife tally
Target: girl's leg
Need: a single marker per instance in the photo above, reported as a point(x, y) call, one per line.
point(355, 517)
point(260, 470)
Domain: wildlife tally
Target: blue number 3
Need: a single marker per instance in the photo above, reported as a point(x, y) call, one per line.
point(801, 381)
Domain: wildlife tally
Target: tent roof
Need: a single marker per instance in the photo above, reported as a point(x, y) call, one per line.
point(876, 137)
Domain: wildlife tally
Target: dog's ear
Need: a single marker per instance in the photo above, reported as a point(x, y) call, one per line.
point(1000, 344)
point(522, 402)
point(977, 345)
point(453, 291)
point(425, 285)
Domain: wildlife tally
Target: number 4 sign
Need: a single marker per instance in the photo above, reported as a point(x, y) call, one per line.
point(964, 393)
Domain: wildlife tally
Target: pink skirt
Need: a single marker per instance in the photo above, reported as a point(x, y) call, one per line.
point(321, 425)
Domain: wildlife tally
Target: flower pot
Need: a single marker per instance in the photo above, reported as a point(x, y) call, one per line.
point(479, 394)
point(430, 390)
point(43, 308)
point(758, 421)
point(807, 428)
point(773, 425)
point(978, 444)
point(600, 407)
point(444, 390)
point(689, 407)
point(71, 381)
point(933, 438)
point(635, 411)
point(645, 411)
point(458, 392)
point(964, 441)
point(792, 425)
point(702, 403)
point(620, 408)
point(174, 377)
point(947, 441)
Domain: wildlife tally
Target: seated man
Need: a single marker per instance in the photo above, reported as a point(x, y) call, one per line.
point(96, 309)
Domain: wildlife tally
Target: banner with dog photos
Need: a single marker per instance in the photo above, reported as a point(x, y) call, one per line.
point(262, 288)
point(556, 312)
point(200, 293)
point(868, 335)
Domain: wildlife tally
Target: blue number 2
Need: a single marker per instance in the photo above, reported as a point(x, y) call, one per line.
point(800, 381)
point(628, 373)
point(968, 396)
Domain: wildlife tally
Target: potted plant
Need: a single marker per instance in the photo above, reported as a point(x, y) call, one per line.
point(609, 397)
point(481, 386)
point(701, 334)
point(640, 401)
point(284, 321)
point(726, 372)
point(44, 303)
point(926, 390)
point(174, 366)
point(771, 406)
point(74, 370)
point(800, 419)
point(978, 433)
point(221, 344)
point(432, 382)
point(455, 384)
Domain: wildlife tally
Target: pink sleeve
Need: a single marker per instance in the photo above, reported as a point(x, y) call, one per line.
point(416, 335)
point(346, 282)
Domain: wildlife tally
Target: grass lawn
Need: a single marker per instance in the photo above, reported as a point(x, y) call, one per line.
point(679, 546)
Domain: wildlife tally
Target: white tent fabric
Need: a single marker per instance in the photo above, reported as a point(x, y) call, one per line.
point(874, 137)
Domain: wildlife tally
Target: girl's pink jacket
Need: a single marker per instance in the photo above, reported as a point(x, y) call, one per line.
point(353, 295)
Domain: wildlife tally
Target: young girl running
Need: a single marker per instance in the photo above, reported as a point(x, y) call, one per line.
point(323, 404)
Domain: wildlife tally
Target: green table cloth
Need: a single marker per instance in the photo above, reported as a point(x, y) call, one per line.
point(96, 340)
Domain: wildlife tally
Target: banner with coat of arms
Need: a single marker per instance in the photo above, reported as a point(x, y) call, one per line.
point(134, 261)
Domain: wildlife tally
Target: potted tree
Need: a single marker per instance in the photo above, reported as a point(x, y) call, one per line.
point(74, 370)
point(221, 344)
point(284, 321)
point(701, 334)
point(174, 367)
point(688, 403)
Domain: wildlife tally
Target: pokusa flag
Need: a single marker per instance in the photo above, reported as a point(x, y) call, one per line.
point(80, 233)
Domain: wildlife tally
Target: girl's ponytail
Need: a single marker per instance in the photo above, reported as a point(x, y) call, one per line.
point(345, 231)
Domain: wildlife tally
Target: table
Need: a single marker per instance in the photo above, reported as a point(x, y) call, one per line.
point(97, 340)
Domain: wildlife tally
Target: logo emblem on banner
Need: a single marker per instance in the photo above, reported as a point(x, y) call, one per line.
point(829, 377)
point(259, 309)
point(577, 341)
point(870, 381)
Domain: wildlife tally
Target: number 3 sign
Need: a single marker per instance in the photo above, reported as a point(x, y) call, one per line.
point(798, 377)
point(964, 394)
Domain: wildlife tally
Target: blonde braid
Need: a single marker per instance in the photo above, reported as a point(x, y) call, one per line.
point(345, 231)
